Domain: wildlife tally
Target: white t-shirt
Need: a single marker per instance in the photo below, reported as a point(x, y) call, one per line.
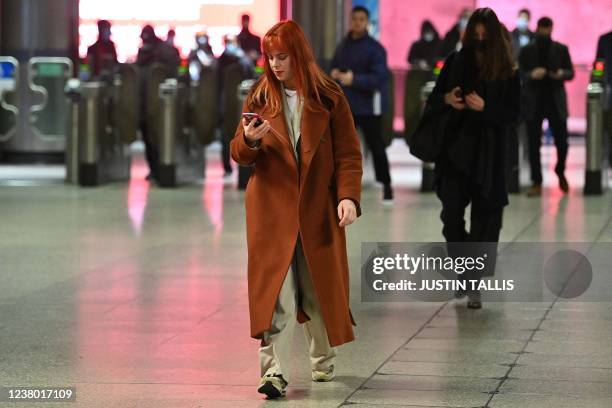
point(291, 100)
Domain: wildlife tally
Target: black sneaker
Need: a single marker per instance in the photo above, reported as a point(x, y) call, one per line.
point(474, 301)
point(387, 194)
point(273, 386)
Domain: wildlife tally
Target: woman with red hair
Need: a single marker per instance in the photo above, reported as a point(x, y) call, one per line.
point(304, 189)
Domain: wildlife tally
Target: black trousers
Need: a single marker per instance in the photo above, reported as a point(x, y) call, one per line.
point(558, 126)
point(371, 126)
point(151, 150)
point(456, 191)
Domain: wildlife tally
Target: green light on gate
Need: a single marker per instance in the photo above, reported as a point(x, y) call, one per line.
point(51, 70)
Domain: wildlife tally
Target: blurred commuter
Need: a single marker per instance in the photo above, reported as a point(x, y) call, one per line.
point(422, 57)
point(201, 56)
point(102, 55)
point(304, 190)
point(425, 51)
point(360, 66)
point(545, 66)
point(521, 35)
point(148, 54)
point(604, 52)
point(477, 95)
point(169, 56)
point(452, 39)
point(249, 42)
point(232, 55)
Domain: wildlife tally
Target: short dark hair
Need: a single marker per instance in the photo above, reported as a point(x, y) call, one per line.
point(545, 22)
point(102, 24)
point(362, 9)
point(245, 17)
point(526, 11)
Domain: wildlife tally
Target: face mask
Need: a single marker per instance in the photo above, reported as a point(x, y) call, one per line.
point(522, 24)
point(231, 48)
point(480, 45)
point(429, 36)
point(463, 23)
point(105, 35)
point(202, 40)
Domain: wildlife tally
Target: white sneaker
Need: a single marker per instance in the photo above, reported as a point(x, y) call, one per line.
point(323, 375)
point(273, 385)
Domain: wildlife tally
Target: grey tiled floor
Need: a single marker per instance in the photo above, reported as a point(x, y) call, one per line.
point(137, 296)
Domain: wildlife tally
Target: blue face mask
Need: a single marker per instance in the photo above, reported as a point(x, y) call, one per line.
point(522, 24)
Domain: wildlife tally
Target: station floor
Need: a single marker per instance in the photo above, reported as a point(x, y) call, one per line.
point(137, 297)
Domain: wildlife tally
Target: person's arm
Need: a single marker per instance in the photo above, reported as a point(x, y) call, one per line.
point(411, 57)
point(566, 65)
point(242, 151)
point(335, 62)
point(503, 107)
point(377, 75)
point(600, 48)
point(347, 154)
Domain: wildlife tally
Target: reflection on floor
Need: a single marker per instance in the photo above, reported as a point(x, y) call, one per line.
point(137, 296)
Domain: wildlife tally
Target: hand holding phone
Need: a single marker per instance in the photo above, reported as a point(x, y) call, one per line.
point(255, 127)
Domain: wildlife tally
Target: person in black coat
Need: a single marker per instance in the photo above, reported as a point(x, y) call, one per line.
point(545, 65)
point(478, 92)
point(521, 35)
point(425, 51)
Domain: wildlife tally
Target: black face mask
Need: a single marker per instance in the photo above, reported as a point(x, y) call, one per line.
point(479, 45)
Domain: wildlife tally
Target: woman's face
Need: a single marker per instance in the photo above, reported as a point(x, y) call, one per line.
point(280, 62)
point(480, 31)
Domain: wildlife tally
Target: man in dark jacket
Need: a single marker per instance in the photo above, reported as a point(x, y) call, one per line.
point(604, 52)
point(360, 66)
point(521, 35)
point(101, 55)
point(545, 65)
point(249, 42)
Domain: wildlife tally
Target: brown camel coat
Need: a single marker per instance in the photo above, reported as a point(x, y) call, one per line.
point(283, 203)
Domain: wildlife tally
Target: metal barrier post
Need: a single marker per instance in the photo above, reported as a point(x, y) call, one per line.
point(594, 139)
point(244, 172)
point(427, 169)
point(168, 93)
point(73, 99)
point(89, 134)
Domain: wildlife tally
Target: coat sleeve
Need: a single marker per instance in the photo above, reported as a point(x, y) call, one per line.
point(502, 108)
point(347, 154)
point(566, 65)
point(240, 151)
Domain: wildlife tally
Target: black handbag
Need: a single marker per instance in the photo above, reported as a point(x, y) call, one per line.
point(428, 140)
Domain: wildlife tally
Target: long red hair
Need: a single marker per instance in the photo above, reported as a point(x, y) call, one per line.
point(311, 82)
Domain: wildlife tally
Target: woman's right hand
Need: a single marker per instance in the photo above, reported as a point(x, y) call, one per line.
point(254, 134)
point(453, 99)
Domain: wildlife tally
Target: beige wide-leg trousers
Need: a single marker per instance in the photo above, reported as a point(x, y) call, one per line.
point(297, 290)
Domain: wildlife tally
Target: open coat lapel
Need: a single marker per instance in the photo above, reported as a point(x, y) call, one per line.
point(313, 126)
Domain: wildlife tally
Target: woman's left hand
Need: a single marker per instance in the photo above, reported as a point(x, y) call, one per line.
point(347, 212)
point(474, 102)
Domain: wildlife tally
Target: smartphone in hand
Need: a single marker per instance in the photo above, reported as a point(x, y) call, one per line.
point(249, 116)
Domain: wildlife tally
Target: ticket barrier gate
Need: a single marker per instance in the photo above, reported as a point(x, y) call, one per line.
point(102, 121)
point(186, 123)
point(595, 172)
point(9, 78)
point(32, 108)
